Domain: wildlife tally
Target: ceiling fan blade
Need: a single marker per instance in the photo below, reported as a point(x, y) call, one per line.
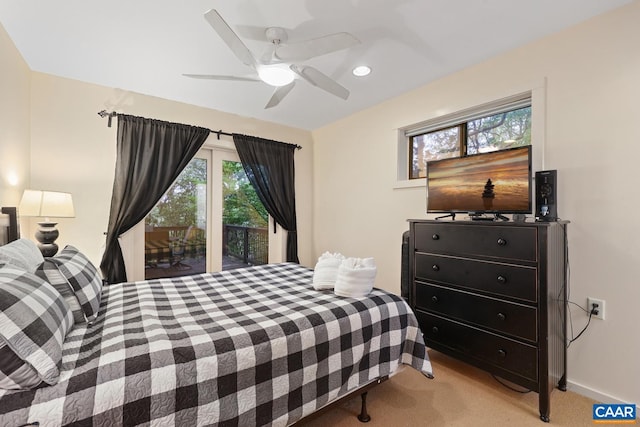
point(317, 78)
point(279, 94)
point(218, 77)
point(230, 38)
point(316, 47)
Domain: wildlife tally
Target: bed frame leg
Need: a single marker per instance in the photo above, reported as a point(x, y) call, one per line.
point(364, 417)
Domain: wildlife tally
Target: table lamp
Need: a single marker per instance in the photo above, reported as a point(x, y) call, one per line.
point(47, 204)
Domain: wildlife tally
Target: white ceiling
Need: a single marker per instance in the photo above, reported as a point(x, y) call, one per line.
point(145, 46)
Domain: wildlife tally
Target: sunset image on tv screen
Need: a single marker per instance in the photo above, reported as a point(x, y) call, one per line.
point(490, 182)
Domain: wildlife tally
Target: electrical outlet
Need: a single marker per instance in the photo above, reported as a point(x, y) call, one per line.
point(600, 308)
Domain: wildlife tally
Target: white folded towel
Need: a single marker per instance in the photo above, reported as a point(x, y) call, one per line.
point(326, 270)
point(355, 277)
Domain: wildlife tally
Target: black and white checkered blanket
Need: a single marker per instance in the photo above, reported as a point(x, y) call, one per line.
point(254, 346)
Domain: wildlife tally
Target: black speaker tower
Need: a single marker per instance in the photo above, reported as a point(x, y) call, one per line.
point(405, 274)
point(546, 195)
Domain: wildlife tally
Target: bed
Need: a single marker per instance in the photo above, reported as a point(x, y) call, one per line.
point(253, 346)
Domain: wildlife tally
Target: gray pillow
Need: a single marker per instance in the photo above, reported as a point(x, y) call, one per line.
point(22, 254)
point(34, 321)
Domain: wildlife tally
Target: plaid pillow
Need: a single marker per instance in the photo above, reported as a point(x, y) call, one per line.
point(21, 253)
point(83, 278)
point(48, 271)
point(34, 321)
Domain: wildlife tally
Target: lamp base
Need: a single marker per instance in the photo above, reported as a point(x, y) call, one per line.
point(46, 235)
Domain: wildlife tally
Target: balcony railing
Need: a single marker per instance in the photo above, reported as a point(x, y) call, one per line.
point(248, 244)
point(168, 255)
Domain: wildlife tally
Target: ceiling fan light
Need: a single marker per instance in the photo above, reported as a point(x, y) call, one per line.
point(361, 71)
point(276, 75)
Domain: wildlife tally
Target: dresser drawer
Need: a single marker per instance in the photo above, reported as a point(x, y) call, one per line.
point(507, 354)
point(492, 277)
point(507, 242)
point(501, 316)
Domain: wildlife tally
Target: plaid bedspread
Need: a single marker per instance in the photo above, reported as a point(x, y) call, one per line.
point(253, 346)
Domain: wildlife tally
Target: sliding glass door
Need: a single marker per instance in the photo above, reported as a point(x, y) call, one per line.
point(245, 221)
point(209, 220)
point(176, 228)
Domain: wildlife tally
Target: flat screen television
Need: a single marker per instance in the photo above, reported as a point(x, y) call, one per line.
point(498, 182)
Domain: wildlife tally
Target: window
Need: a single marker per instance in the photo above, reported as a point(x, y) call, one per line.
point(438, 144)
point(498, 126)
point(499, 131)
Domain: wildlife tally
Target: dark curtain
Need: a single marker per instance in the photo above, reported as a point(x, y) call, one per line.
point(150, 156)
point(269, 166)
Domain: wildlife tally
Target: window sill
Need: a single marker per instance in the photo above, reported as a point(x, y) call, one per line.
point(410, 183)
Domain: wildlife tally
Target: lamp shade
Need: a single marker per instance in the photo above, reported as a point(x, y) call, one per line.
point(52, 204)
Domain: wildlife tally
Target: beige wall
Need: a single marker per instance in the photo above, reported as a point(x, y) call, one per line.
point(591, 112)
point(14, 122)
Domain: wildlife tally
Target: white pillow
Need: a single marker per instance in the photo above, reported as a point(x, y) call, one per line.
point(22, 254)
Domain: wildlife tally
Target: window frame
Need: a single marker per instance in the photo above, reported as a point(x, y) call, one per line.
point(460, 121)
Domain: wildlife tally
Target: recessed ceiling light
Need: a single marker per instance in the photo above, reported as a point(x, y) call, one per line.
point(361, 71)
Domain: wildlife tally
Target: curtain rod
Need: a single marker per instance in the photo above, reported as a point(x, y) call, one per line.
point(112, 114)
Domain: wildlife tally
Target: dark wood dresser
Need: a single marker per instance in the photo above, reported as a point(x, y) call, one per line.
point(493, 294)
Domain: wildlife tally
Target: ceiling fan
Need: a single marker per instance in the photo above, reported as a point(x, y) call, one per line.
point(277, 66)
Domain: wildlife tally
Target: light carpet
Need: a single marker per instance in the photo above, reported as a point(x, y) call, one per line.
point(459, 395)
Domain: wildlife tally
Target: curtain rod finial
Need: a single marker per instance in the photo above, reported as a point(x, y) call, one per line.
point(110, 115)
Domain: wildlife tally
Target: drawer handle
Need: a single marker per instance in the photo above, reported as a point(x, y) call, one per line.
point(435, 236)
point(501, 279)
point(501, 316)
point(434, 298)
point(435, 329)
point(502, 353)
point(501, 242)
point(435, 267)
